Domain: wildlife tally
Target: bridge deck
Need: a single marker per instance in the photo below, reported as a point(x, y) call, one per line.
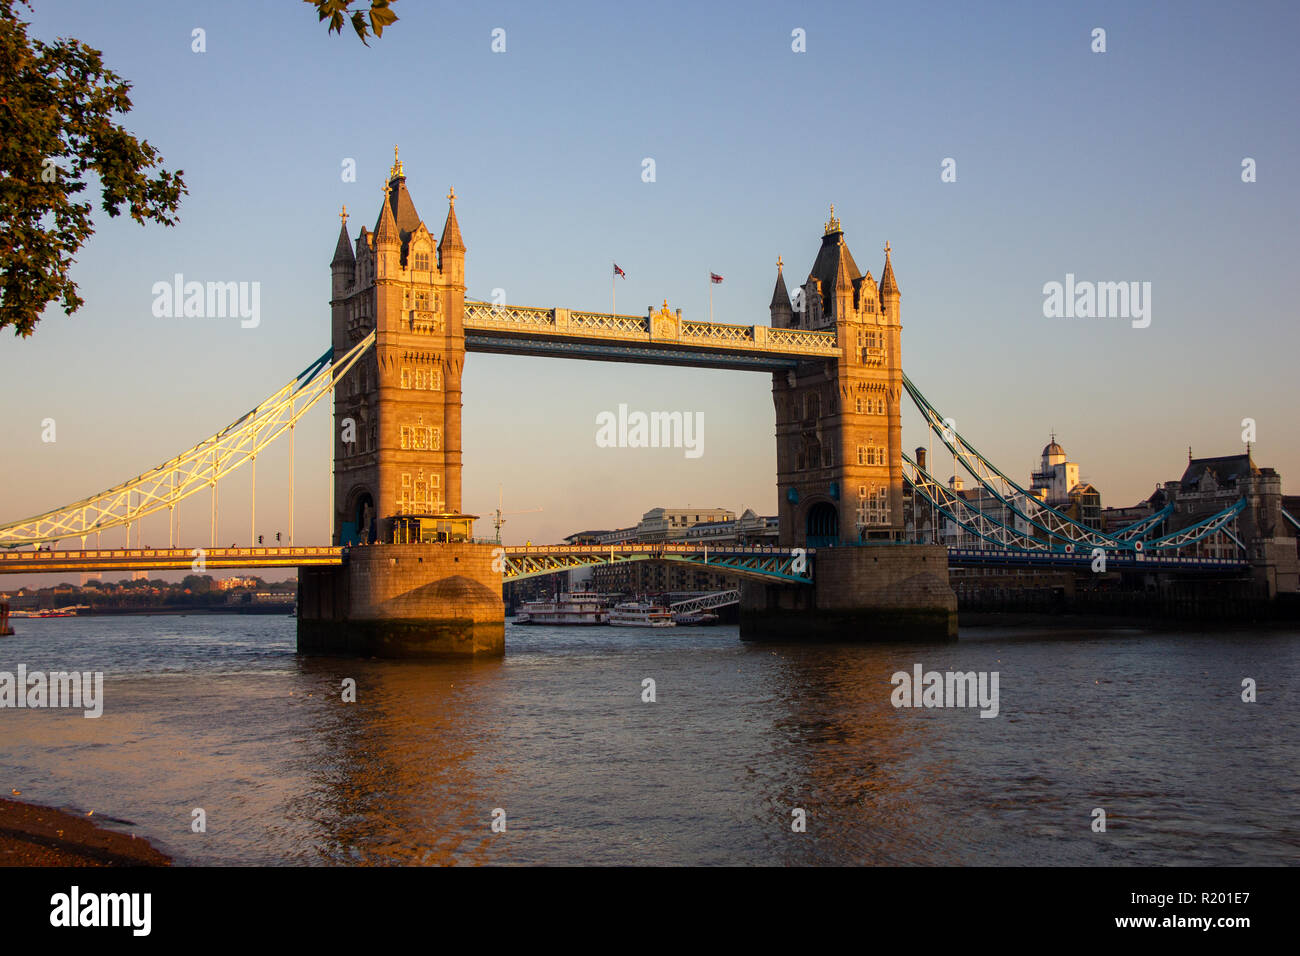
point(164, 559)
point(660, 339)
point(1127, 561)
point(532, 560)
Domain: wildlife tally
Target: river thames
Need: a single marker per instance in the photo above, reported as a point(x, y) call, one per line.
point(220, 713)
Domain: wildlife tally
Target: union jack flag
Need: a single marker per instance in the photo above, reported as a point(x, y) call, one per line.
point(619, 272)
point(715, 278)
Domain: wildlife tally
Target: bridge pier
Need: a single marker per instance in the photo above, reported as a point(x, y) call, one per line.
point(871, 594)
point(404, 600)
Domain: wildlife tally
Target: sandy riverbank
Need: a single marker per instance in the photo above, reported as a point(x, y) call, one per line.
point(32, 835)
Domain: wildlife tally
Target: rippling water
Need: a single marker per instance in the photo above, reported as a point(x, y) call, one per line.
point(220, 713)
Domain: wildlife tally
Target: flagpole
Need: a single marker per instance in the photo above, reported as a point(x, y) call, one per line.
point(613, 295)
point(710, 298)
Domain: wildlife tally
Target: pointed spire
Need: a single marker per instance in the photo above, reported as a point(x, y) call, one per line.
point(888, 284)
point(780, 294)
point(386, 229)
point(343, 251)
point(845, 273)
point(451, 240)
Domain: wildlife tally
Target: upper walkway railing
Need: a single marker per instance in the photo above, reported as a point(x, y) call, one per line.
point(663, 337)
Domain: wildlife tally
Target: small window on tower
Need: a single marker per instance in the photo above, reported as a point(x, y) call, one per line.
point(422, 261)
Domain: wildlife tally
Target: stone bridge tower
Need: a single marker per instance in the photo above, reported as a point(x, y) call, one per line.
point(838, 421)
point(397, 449)
point(420, 587)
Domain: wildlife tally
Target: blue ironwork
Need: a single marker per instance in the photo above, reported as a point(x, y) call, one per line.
point(1140, 528)
point(1287, 515)
point(1207, 526)
point(1071, 531)
point(479, 341)
point(774, 564)
point(1123, 560)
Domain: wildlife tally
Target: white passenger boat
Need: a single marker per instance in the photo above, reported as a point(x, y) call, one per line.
point(578, 607)
point(641, 614)
point(695, 617)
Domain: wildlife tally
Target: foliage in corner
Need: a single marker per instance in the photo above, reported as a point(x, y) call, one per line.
point(58, 106)
point(339, 12)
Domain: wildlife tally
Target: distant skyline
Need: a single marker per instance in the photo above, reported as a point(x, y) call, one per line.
point(1122, 166)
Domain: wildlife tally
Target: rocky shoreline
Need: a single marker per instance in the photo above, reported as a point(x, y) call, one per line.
point(32, 835)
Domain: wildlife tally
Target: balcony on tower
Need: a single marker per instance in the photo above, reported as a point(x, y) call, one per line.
point(431, 528)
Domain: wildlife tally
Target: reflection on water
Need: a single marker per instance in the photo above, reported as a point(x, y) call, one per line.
point(220, 713)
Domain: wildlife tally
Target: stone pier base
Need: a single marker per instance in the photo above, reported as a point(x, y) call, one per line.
point(873, 594)
point(404, 600)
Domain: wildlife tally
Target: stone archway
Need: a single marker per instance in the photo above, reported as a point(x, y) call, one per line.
point(822, 525)
point(359, 524)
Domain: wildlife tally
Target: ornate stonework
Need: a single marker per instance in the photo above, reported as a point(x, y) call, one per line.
point(404, 398)
point(665, 324)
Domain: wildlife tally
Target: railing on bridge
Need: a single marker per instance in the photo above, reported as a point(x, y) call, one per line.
point(1128, 560)
point(644, 330)
point(165, 559)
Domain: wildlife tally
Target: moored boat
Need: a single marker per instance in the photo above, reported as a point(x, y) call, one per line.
point(641, 614)
point(578, 607)
point(695, 617)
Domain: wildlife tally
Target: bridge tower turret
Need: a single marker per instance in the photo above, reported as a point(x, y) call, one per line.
point(451, 248)
point(343, 273)
point(343, 266)
point(781, 311)
point(398, 414)
point(890, 298)
point(839, 424)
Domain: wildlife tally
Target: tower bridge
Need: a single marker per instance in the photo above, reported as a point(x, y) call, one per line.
point(403, 575)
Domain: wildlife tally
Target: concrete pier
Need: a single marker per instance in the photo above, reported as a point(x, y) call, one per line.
point(877, 594)
point(404, 600)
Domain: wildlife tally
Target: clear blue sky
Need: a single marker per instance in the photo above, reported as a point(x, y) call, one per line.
point(1117, 166)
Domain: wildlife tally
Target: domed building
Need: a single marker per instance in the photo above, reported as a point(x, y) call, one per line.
point(1057, 484)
